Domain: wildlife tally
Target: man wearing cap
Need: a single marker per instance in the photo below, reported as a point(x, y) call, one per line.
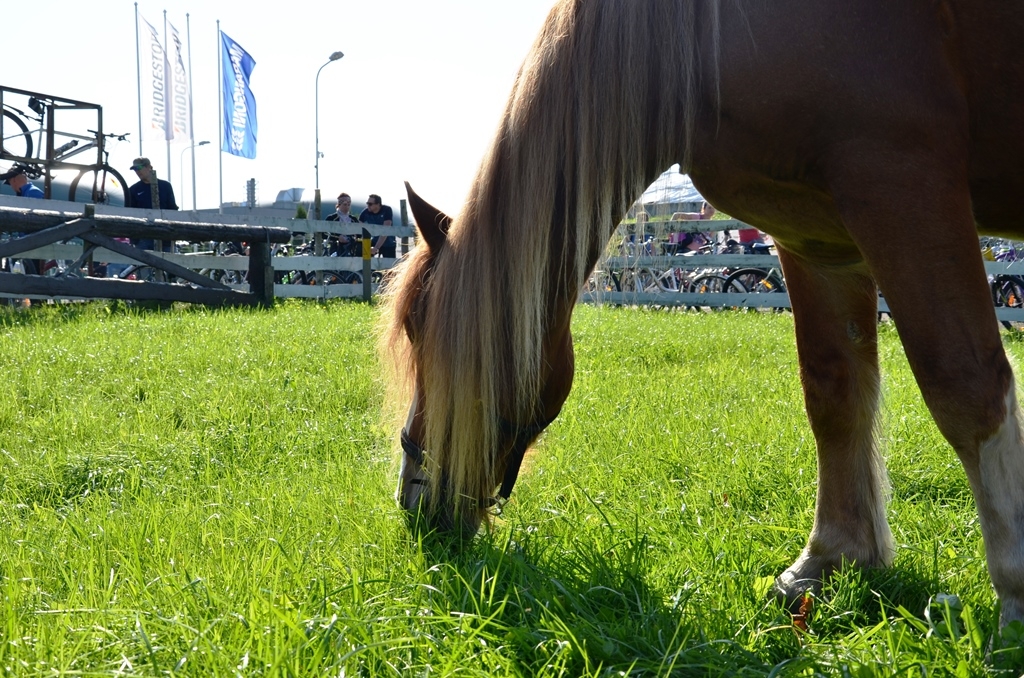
point(16, 179)
point(141, 193)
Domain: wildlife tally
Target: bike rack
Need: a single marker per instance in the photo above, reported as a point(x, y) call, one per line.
point(52, 104)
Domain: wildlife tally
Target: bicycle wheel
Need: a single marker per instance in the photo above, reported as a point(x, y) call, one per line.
point(16, 141)
point(600, 282)
point(145, 273)
point(347, 278)
point(1008, 292)
point(640, 281)
point(711, 283)
point(102, 185)
point(757, 280)
point(627, 280)
point(226, 277)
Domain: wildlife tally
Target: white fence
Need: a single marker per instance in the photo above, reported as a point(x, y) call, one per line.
point(658, 264)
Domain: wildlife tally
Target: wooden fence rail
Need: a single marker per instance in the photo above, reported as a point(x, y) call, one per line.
point(42, 225)
point(39, 228)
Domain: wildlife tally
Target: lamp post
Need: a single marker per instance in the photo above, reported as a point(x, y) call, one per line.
point(181, 172)
point(316, 199)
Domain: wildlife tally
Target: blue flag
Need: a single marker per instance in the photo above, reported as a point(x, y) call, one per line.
point(239, 104)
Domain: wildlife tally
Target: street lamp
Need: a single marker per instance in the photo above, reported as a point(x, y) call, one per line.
point(316, 199)
point(181, 175)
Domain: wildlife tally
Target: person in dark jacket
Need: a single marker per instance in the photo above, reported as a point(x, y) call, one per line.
point(380, 215)
point(140, 195)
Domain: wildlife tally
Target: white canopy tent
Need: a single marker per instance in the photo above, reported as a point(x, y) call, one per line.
point(671, 192)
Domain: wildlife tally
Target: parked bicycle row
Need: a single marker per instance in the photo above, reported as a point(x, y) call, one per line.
point(659, 269)
point(677, 265)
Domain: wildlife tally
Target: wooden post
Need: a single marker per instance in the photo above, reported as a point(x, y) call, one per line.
point(367, 248)
point(318, 237)
point(154, 197)
point(261, 273)
point(318, 250)
point(48, 178)
point(88, 213)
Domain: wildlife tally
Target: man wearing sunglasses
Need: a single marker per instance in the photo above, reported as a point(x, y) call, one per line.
point(379, 215)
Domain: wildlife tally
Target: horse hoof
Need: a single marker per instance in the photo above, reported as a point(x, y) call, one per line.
point(1012, 611)
point(789, 589)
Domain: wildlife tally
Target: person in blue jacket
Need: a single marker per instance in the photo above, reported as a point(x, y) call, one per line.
point(16, 179)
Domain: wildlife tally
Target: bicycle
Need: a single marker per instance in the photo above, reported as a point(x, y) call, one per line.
point(101, 180)
point(335, 248)
point(100, 175)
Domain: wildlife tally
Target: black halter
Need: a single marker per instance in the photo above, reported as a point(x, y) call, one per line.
point(521, 437)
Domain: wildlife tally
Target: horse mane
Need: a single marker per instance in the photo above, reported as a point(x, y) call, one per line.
point(605, 100)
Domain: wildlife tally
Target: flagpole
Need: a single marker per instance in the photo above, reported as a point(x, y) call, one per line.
point(191, 124)
point(220, 117)
point(168, 105)
point(138, 74)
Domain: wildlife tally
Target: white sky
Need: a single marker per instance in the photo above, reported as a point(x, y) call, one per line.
point(417, 96)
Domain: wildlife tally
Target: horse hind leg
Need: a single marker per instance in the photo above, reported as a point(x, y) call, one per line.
point(954, 350)
point(968, 385)
point(835, 316)
point(998, 490)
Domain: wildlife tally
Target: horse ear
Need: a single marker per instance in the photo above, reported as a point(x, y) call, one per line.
point(431, 222)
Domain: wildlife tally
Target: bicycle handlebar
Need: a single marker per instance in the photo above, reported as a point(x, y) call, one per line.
point(112, 135)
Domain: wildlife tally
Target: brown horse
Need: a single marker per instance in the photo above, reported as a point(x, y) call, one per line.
point(871, 139)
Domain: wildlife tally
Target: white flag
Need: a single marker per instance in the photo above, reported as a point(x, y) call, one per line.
point(180, 94)
point(155, 71)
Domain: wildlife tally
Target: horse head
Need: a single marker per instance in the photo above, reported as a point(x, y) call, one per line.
point(457, 450)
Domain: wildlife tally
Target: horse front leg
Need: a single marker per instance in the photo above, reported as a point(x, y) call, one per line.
point(835, 316)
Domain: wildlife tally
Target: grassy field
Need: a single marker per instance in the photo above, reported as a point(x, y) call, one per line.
point(206, 493)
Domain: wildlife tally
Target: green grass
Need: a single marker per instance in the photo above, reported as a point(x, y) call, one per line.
point(204, 493)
